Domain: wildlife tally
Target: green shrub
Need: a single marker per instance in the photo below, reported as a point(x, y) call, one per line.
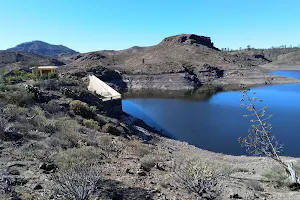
point(15, 95)
point(20, 76)
point(82, 108)
point(90, 123)
point(111, 128)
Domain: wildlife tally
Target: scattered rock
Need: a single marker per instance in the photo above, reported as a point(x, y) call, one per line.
point(11, 134)
point(157, 165)
point(142, 173)
point(235, 196)
point(48, 167)
point(129, 171)
point(14, 172)
point(38, 187)
point(16, 181)
point(117, 196)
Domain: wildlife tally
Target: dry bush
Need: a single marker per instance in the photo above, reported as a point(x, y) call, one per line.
point(111, 147)
point(15, 95)
point(277, 177)
point(255, 185)
point(52, 107)
point(200, 177)
point(69, 134)
point(138, 148)
point(148, 162)
point(77, 182)
point(43, 123)
point(33, 150)
point(49, 84)
point(74, 156)
point(15, 113)
point(3, 125)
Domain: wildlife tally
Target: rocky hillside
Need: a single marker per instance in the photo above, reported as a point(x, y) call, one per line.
point(16, 58)
point(178, 62)
point(43, 48)
point(172, 55)
point(291, 58)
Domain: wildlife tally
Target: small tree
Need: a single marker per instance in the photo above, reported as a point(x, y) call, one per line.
point(77, 182)
point(260, 141)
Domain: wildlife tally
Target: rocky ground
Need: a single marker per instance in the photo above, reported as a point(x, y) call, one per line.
point(45, 135)
point(58, 134)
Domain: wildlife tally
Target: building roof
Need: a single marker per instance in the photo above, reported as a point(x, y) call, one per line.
point(47, 67)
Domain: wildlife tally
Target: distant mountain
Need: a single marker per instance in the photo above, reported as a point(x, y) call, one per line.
point(43, 48)
point(18, 58)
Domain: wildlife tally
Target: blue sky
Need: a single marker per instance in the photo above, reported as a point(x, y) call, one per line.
point(118, 24)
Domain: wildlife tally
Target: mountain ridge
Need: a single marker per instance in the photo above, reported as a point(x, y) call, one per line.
point(43, 48)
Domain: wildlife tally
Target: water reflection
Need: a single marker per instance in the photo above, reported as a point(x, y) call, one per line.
point(213, 120)
point(287, 73)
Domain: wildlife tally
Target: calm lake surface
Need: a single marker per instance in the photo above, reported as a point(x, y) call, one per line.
point(214, 120)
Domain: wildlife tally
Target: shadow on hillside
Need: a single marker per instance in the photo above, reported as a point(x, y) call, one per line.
point(115, 190)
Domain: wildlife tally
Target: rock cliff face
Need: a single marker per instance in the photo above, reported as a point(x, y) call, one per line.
point(188, 39)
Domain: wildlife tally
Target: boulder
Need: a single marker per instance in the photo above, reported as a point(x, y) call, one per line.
point(48, 167)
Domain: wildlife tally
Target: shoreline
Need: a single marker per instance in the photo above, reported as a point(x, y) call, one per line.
point(232, 80)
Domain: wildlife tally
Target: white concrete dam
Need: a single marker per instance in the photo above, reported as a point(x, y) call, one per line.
point(101, 88)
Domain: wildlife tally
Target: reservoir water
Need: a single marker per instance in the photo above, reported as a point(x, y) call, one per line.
point(214, 120)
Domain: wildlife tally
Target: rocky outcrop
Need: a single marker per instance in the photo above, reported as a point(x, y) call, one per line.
point(188, 39)
point(112, 77)
point(172, 81)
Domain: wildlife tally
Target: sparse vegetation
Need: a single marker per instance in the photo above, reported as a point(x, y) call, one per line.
point(260, 141)
point(74, 156)
point(90, 123)
point(15, 95)
point(111, 147)
point(255, 185)
point(76, 182)
point(19, 76)
point(200, 178)
point(148, 162)
point(277, 176)
point(83, 109)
